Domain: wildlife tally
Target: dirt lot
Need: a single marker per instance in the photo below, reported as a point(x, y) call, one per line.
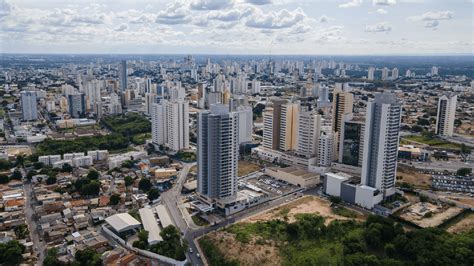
point(246, 168)
point(307, 204)
point(461, 199)
point(413, 177)
point(464, 225)
point(252, 253)
point(419, 214)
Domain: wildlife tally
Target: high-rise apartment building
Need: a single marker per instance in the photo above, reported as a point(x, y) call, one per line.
point(239, 104)
point(218, 152)
point(309, 127)
point(446, 115)
point(385, 72)
point(325, 147)
point(271, 124)
point(342, 105)
point(289, 126)
point(77, 105)
point(351, 142)
point(123, 75)
point(371, 73)
point(170, 124)
point(395, 73)
point(29, 106)
point(382, 128)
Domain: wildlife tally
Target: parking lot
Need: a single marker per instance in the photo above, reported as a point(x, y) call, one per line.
point(271, 186)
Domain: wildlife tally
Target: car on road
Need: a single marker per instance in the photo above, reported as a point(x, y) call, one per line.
point(190, 250)
point(197, 255)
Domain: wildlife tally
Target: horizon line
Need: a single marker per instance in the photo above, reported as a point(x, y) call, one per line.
point(242, 54)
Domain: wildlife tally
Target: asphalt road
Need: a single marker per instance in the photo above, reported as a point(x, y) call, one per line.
point(39, 246)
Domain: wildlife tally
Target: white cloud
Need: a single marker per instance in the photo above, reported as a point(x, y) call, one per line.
point(352, 3)
point(259, 2)
point(324, 19)
point(231, 15)
point(379, 27)
point(439, 15)
point(275, 20)
point(175, 13)
point(381, 11)
point(211, 4)
point(6, 8)
point(432, 24)
point(432, 18)
point(121, 27)
point(384, 2)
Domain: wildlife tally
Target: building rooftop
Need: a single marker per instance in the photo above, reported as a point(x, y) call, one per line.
point(163, 215)
point(122, 222)
point(151, 225)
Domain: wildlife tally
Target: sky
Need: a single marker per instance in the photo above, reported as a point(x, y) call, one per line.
point(316, 27)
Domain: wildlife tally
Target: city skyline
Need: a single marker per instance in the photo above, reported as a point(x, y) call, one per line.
point(346, 27)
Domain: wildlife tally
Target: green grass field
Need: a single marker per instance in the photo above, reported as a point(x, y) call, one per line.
point(434, 142)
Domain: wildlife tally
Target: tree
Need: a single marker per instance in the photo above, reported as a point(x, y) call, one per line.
point(66, 168)
point(10, 252)
point(423, 122)
point(127, 164)
point(16, 174)
point(5, 164)
point(93, 174)
point(464, 171)
point(142, 242)
point(335, 200)
point(20, 160)
point(30, 174)
point(465, 149)
point(88, 257)
point(416, 128)
point(153, 194)
point(171, 245)
point(144, 184)
point(4, 179)
point(51, 258)
point(38, 165)
point(91, 189)
point(51, 180)
point(114, 199)
point(21, 231)
point(128, 181)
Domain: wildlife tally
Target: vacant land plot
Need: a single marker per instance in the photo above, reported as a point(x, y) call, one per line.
point(431, 141)
point(254, 252)
point(426, 214)
point(246, 168)
point(413, 177)
point(469, 201)
point(308, 204)
point(466, 224)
